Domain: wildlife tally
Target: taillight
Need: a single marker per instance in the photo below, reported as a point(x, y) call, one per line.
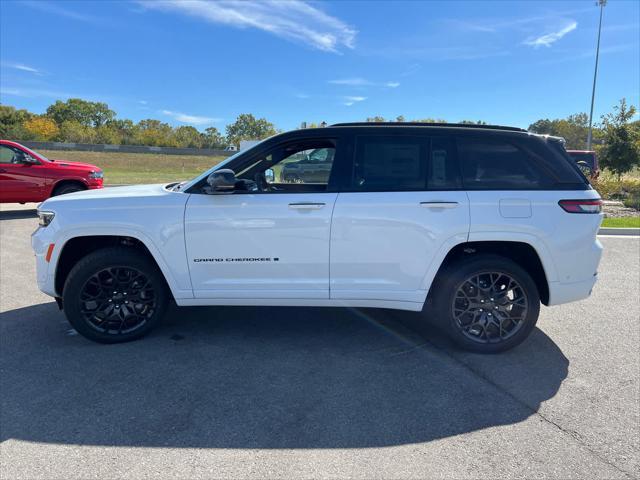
point(581, 206)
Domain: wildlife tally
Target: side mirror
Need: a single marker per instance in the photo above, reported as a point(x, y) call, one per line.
point(222, 181)
point(269, 175)
point(28, 159)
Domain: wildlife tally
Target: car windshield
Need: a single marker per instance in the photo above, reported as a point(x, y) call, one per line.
point(33, 152)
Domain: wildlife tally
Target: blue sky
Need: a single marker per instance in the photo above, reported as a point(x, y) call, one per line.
point(194, 62)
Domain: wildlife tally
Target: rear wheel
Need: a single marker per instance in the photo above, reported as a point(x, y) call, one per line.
point(67, 188)
point(486, 304)
point(114, 295)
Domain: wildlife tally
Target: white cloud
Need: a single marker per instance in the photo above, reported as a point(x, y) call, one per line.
point(57, 9)
point(192, 119)
point(362, 82)
point(350, 100)
point(292, 20)
point(550, 38)
point(302, 96)
point(22, 67)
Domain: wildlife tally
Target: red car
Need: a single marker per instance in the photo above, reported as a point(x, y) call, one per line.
point(587, 160)
point(27, 176)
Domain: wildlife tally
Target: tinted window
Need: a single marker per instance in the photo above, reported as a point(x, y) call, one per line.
point(443, 171)
point(497, 165)
point(390, 163)
point(588, 158)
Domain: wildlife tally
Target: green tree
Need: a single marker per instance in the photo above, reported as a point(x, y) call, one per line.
point(85, 113)
point(126, 130)
point(471, 122)
point(400, 118)
point(574, 129)
point(376, 119)
point(212, 138)
point(108, 134)
point(620, 152)
point(75, 132)
point(12, 123)
point(247, 127)
point(188, 136)
point(430, 120)
point(154, 133)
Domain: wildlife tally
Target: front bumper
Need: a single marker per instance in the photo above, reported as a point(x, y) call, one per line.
point(45, 273)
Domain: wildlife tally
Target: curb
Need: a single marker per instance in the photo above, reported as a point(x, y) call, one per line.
point(619, 231)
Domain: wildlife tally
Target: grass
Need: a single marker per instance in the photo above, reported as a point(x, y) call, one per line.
point(140, 167)
point(624, 222)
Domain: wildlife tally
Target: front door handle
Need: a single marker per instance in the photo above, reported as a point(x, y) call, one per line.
point(2, 170)
point(306, 206)
point(437, 204)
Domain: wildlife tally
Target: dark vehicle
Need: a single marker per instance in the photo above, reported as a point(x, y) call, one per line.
point(313, 166)
point(587, 160)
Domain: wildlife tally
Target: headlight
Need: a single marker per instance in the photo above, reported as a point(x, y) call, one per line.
point(96, 175)
point(45, 218)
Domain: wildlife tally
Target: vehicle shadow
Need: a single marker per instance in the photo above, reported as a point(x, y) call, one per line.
point(17, 214)
point(258, 377)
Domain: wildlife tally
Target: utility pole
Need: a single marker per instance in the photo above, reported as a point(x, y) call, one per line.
point(601, 3)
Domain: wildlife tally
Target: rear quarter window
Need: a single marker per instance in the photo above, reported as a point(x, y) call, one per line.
point(489, 164)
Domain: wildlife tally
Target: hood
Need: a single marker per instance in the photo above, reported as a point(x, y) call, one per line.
point(84, 166)
point(109, 194)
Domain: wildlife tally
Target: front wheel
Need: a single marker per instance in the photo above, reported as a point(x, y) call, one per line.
point(486, 304)
point(115, 295)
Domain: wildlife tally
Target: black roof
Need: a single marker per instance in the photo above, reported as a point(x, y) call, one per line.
point(428, 124)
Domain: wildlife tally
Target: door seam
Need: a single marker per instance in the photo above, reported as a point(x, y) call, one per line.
point(331, 241)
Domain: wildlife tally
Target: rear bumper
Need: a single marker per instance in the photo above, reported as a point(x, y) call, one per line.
point(560, 293)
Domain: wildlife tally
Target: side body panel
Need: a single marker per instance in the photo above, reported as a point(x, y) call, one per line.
point(273, 245)
point(148, 213)
point(566, 243)
point(383, 244)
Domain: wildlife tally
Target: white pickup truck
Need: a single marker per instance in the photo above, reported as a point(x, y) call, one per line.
point(473, 225)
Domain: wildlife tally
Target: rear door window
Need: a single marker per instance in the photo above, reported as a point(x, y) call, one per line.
point(498, 165)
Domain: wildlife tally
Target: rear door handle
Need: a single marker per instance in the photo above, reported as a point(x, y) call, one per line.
point(2, 170)
point(439, 204)
point(306, 206)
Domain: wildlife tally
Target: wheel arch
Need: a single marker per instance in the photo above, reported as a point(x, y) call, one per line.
point(68, 181)
point(521, 252)
point(77, 247)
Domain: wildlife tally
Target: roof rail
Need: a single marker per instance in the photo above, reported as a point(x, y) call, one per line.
point(427, 124)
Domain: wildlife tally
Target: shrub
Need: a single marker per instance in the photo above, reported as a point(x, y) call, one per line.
point(626, 189)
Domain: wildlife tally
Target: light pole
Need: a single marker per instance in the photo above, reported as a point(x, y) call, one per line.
point(601, 3)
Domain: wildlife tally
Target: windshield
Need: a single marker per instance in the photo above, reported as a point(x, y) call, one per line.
point(222, 164)
point(33, 153)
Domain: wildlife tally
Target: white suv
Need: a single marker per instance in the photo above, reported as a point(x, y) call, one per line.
point(474, 225)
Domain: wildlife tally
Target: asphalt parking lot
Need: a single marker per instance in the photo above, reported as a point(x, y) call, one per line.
point(317, 393)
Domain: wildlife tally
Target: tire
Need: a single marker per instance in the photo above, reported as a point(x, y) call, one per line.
point(480, 311)
point(67, 188)
point(115, 295)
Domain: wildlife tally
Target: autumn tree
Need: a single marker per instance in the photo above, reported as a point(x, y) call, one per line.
point(41, 128)
point(247, 127)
